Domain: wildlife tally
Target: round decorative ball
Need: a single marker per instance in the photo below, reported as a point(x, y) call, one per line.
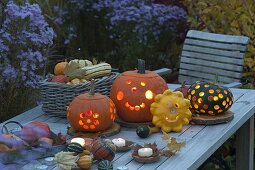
point(102, 150)
point(209, 98)
point(105, 165)
point(143, 131)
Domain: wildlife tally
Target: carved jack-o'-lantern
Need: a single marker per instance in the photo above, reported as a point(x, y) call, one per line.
point(209, 98)
point(91, 112)
point(134, 91)
point(170, 111)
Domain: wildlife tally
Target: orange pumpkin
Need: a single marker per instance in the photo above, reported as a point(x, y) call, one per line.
point(91, 112)
point(133, 92)
point(60, 67)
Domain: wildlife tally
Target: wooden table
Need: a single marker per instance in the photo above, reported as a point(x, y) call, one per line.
point(201, 141)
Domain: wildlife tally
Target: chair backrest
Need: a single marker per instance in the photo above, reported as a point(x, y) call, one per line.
point(206, 54)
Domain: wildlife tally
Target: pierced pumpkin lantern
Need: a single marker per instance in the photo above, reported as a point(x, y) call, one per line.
point(209, 98)
point(134, 91)
point(91, 112)
point(170, 111)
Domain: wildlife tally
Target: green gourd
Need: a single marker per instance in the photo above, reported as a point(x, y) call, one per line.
point(105, 165)
point(75, 147)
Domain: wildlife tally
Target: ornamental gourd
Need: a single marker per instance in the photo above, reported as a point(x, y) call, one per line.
point(91, 112)
point(170, 111)
point(60, 67)
point(134, 91)
point(85, 162)
point(102, 150)
point(209, 98)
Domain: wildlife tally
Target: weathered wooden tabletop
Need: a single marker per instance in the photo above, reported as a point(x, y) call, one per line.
point(201, 141)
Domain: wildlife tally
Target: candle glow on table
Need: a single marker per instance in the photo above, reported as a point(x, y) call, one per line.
point(145, 152)
point(81, 141)
point(119, 142)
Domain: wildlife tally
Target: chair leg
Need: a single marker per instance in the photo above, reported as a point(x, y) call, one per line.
point(245, 145)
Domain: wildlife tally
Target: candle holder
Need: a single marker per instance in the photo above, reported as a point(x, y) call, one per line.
point(142, 159)
point(127, 147)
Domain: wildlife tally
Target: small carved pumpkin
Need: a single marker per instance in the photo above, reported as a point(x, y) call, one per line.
point(170, 111)
point(134, 91)
point(209, 98)
point(91, 112)
point(60, 67)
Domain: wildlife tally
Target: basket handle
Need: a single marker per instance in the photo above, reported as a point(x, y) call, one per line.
point(5, 129)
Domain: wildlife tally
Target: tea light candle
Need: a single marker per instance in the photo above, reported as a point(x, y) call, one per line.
point(81, 141)
point(119, 142)
point(145, 152)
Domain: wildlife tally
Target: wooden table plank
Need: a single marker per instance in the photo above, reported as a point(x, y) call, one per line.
point(211, 138)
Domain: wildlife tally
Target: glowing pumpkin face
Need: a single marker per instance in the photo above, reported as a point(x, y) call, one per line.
point(133, 93)
point(91, 113)
point(170, 111)
point(208, 98)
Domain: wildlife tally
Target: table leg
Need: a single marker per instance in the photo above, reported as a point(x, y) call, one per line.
point(245, 145)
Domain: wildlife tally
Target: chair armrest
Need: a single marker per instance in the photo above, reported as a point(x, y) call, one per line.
point(163, 71)
point(233, 85)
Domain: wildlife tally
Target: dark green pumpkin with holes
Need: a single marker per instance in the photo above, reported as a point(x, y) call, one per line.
point(209, 98)
point(75, 147)
point(105, 165)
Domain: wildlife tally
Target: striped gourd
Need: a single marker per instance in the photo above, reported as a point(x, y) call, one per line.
point(84, 162)
point(75, 147)
point(90, 72)
point(102, 150)
point(105, 165)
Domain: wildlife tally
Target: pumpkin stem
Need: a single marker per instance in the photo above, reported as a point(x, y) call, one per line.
point(92, 88)
point(141, 66)
point(183, 84)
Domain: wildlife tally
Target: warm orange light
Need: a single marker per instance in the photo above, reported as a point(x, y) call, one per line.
point(137, 108)
point(149, 95)
point(81, 122)
point(133, 89)
point(215, 98)
point(95, 115)
point(193, 92)
point(196, 106)
point(92, 126)
point(128, 81)
point(85, 126)
point(120, 95)
point(227, 99)
point(194, 98)
point(210, 98)
point(96, 122)
point(225, 91)
point(202, 111)
point(197, 87)
point(127, 104)
point(131, 107)
point(201, 94)
point(220, 95)
point(216, 107)
point(206, 85)
point(224, 103)
point(205, 106)
point(200, 100)
point(142, 105)
point(143, 83)
point(211, 91)
point(88, 121)
point(210, 112)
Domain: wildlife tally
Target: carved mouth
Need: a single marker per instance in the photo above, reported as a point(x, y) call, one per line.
point(136, 107)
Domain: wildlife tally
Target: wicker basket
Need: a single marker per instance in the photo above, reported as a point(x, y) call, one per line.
point(57, 96)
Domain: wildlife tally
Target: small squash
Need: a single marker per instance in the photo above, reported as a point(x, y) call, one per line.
point(105, 165)
point(85, 162)
point(75, 147)
point(60, 67)
point(102, 150)
point(170, 111)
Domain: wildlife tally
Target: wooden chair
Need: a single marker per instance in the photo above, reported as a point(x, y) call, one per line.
point(206, 55)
